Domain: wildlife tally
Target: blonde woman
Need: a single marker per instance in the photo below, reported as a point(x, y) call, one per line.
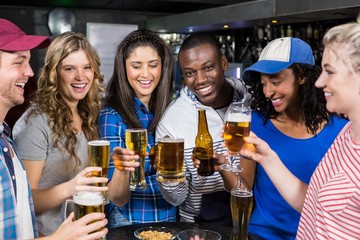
point(52, 134)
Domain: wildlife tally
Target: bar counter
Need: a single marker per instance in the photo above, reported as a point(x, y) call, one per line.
point(127, 232)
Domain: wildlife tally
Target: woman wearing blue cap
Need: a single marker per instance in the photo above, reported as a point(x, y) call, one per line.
point(290, 115)
point(329, 205)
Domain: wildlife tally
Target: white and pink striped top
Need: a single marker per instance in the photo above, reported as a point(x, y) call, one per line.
point(332, 204)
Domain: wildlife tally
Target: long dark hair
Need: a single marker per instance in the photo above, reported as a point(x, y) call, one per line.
point(120, 94)
point(312, 99)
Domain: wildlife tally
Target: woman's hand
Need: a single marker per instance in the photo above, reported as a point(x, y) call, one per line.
point(153, 156)
point(257, 149)
point(124, 159)
point(84, 228)
point(84, 181)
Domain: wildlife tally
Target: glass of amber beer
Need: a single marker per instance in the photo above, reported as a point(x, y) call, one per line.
point(83, 203)
point(237, 126)
point(170, 155)
point(99, 156)
point(241, 207)
point(136, 140)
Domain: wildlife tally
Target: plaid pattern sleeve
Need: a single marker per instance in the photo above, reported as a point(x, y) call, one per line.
point(8, 218)
point(8, 228)
point(143, 206)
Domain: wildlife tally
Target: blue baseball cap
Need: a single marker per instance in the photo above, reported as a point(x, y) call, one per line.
point(280, 53)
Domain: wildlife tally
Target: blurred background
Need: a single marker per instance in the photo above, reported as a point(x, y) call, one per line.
point(243, 27)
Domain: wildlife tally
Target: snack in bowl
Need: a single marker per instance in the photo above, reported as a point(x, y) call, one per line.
point(152, 235)
point(155, 233)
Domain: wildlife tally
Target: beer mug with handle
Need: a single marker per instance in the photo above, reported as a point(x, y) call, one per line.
point(83, 203)
point(170, 154)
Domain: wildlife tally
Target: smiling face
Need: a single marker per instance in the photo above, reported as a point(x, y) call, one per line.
point(15, 71)
point(203, 70)
point(76, 76)
point(281, 89)
point(143, 70)
point(340, 84)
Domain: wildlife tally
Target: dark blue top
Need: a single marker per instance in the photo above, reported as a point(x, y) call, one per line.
point(272, 217)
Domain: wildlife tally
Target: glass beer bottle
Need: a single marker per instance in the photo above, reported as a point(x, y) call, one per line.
point(204, 146)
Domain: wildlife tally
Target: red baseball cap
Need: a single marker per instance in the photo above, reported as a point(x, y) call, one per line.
point(13, 38)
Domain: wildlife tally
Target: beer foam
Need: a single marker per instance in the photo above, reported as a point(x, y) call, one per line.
point(88, 198)
point(99, 143)
point(241, 193)
point(239, 117)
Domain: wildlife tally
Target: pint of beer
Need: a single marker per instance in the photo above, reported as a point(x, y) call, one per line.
point(170, 160)
point(84, 203)
point(88, 202)
point(241, 206)
point(237, 126)
point(136, 140)
point(99, 156)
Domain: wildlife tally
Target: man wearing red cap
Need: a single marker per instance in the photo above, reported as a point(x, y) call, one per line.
point(17, 216)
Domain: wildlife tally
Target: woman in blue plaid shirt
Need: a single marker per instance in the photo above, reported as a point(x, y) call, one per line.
point(137, 95)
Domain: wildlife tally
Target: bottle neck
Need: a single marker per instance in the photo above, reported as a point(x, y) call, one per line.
point(202, 123)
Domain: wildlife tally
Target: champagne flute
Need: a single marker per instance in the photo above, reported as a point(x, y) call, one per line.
point(237, 126)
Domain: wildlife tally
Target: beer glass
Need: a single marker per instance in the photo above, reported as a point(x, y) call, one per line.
point(99, 156)
point(241, 207)
point(83, 203)
point(170, 154)
point(136, 140)
point(237, 126)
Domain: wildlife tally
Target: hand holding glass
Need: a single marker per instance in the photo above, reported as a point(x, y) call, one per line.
point(84, 203)
point(237, 126)
point(99, 156)
point(136, 140)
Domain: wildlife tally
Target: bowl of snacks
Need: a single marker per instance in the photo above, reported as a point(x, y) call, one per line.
point(198, 234)
point(155, 233)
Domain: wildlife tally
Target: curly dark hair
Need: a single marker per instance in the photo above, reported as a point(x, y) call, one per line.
point(312, 99)
point(120, 94)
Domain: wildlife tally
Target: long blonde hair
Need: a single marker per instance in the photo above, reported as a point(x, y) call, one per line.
point(348, 35)
point(48, 98)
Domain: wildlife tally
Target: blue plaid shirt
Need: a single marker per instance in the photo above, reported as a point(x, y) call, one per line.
point(143, 206)
point(8, 218)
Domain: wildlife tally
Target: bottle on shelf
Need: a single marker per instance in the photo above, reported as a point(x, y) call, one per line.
point(204, 146)
point(282, 31)
point(309, 32)
point(289, 32)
